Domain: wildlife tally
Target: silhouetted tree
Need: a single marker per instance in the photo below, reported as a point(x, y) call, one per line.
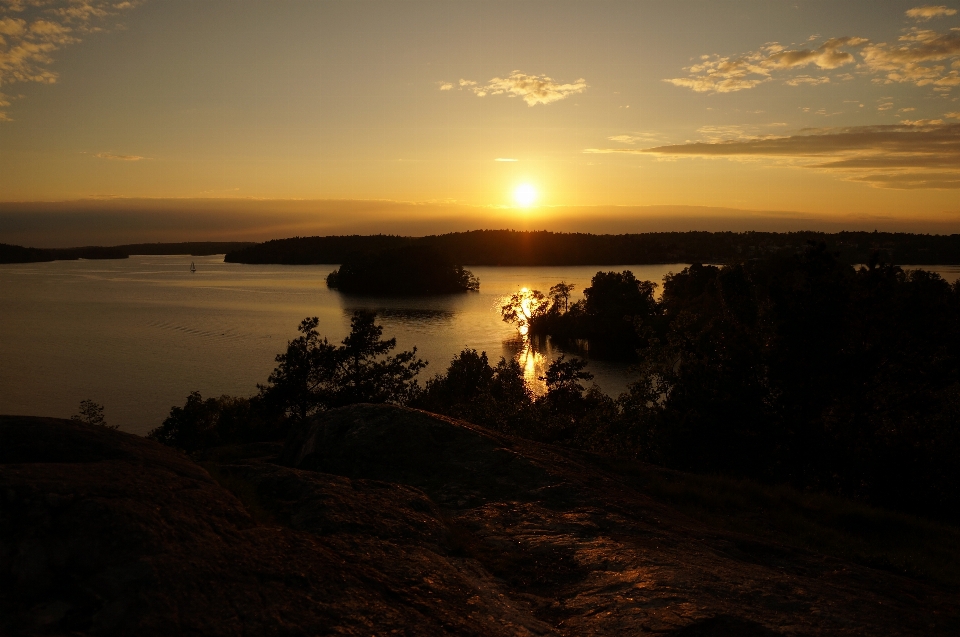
point(560, 296)
point(191, 427)
point(496, 397)
point(205, 423)
point(91, 413)
point(314, 375)
point(524, 309)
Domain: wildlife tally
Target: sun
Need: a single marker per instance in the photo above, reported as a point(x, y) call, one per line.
point(525, 195)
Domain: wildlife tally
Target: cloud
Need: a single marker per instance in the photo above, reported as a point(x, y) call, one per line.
point(723, 133)
point(918, 58)
point(921, 122)
point(909, 155)
point(626, 139)
point(445, 86)
point(806, 79)
point(32, 30)
point(533, 89)
point(118, 157)
point(718, 74)
point(929, 11)
point(505, 159)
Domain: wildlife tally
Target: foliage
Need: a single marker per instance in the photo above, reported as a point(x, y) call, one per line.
point(799, 369)
point(496, 397)
point(524, 309)
point(792, 369)
point(560, 296)
point(201, 424)
point(91, 413)
point(314, 375)
point(614, 306)
point(406, 270)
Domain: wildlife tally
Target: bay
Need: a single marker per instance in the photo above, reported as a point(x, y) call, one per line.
point(138, 335)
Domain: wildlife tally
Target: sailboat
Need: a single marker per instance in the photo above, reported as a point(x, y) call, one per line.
point(193, 267)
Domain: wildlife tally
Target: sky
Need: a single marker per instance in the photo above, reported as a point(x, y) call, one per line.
point(184, 119)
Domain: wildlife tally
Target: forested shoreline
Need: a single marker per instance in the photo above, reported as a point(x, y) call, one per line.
point(794, 369)
point(19, 254)
point(540, 248)
point(515, 248)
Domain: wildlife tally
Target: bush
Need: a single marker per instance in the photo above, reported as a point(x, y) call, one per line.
point(201, 424)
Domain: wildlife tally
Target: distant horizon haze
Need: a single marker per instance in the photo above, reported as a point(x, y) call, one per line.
point(116, 221)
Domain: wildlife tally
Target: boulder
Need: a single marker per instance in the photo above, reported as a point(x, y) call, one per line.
point(106, 533)
point(458, 464)
point(379, 520)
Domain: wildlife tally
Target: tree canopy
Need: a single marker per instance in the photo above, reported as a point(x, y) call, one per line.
point(314, 375)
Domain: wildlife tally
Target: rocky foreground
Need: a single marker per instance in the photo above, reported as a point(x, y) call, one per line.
point(378, 520)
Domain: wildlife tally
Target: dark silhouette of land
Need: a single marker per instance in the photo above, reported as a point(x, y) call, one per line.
point(785, 463)
point(512, 248)
point(515, 248)
point(19, 254)
point(403, 271)
point(376, 519)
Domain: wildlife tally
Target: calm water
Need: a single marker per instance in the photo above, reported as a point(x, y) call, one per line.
point(137, 335)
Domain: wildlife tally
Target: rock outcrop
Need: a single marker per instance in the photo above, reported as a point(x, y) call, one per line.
point(378, 520)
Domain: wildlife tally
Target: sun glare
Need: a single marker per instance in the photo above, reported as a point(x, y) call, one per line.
point(525, 195)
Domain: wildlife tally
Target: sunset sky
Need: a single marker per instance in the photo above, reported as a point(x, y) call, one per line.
point(261, 119)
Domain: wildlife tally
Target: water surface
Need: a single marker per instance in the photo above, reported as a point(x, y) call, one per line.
point(137, 335)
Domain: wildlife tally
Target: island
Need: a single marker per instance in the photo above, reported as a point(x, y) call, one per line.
point(402, 271)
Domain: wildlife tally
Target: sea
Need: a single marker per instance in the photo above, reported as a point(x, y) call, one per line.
point(138, 335)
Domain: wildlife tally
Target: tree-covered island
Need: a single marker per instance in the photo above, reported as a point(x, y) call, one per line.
point(402, 271)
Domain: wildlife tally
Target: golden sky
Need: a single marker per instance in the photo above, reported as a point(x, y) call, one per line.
point(429, 115)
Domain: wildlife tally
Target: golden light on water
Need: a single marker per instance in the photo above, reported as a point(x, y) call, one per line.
point(525, 308)
point(525, 195)
point(534, 367)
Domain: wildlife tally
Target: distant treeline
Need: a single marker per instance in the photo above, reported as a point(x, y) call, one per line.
point(507, 247)
point(19, 254)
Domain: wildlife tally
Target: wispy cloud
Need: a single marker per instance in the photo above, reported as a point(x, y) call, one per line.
point(807, 79)
point(725, 74)
point(116, 157)
point(929, 11)
point(626, 139)
point(532, 89)
point(505, 159)
point(923, 57)
point(910, 155)
point(32, 30)
point(919, 57)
